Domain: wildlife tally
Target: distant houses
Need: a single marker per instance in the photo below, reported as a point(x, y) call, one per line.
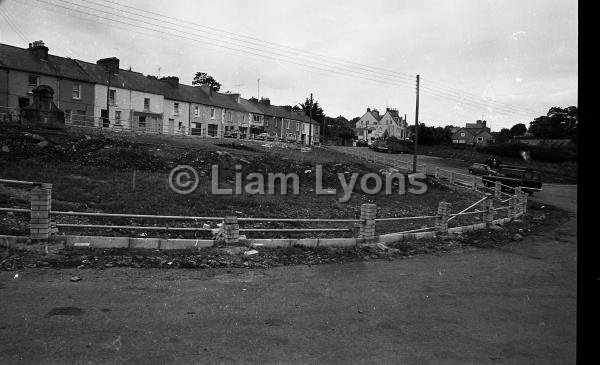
point(473, 134)
point(102, 94)
point(372, 125)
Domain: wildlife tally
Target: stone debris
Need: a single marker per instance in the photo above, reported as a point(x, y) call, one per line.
point(250, 252)
point(75, 278)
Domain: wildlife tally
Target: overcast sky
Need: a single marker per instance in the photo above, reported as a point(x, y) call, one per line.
point(517, 54)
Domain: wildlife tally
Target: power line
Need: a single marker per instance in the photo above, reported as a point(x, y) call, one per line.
point(12, 26)
point(435, 92)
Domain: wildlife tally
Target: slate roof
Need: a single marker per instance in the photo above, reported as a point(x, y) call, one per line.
point(23, 60)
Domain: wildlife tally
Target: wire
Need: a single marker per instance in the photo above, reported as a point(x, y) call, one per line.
point(12, 26)
point(434, 91)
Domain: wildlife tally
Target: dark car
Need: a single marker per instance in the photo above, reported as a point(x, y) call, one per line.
point(361, 143)
point(379, 146)
point(529, 180)
point(481, 169)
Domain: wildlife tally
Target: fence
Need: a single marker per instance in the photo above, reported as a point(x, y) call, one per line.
point(363, 228)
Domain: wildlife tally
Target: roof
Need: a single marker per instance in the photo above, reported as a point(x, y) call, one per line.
point(23, 60)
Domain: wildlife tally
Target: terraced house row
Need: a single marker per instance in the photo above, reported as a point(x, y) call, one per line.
point(102, 94)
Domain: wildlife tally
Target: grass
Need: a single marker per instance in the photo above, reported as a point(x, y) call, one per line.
point(101, 180)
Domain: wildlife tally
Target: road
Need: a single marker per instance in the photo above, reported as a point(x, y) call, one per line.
point(563, 196)
point(514, 304)
point(511, 305)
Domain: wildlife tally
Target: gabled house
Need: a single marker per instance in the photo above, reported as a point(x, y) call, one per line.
point(474, 134)
point(372, 125)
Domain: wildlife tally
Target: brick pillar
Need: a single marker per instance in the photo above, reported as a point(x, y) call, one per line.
point(497, 189)
point(441, 222)
point(231, 230)
point(488, 208)
point(511, 207)
point(518, 201)
point(39, 224)
point(368, 212)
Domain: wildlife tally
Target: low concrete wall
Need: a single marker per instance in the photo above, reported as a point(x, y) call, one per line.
point(193, 244)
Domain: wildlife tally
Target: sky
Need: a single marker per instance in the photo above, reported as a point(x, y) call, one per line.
point(503, 61)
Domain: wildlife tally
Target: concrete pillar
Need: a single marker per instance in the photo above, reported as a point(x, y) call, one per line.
point(424, 169)
point(231, 230)
point(39, 224)
point(368, 212)
point(437, 172)
point(497, 189)
point(473, 183)
point(441, 222)
point(488, 208)
point(451, 177)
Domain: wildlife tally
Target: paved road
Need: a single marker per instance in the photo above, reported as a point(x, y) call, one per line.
point(513, 305)
point(563, 196)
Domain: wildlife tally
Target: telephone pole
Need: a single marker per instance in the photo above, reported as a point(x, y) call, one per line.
point(258, 88)
point(416, 137)
point(310, 121)
point(107, 120)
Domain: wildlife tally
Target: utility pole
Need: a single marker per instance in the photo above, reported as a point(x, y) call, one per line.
point(416, 137)
point(310, 121)
point(258, 85)
point(108, 71)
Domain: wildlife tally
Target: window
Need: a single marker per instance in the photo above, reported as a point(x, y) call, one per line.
point(462, 134)
point(275, 122)
point(142, 121)
point(479, 139)
point(212, 130)
point(146, 107)
point(176, 108)
point(212, 113)
point(111, 97)
point(196, 111)
point(34, 81)
point(117, 117)
point(77, 91)
point(287, 124)
point(229, 116)
point(297, 127)
point(256, 118)
point(267, 123)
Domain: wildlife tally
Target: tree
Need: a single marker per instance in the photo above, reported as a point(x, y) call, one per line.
point(205, 79)
point(518, 130)
point(317, 112)
point(338, 129)
point(503, 136)
point(558, 123)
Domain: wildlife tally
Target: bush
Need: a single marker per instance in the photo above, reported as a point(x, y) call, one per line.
point(547, 153)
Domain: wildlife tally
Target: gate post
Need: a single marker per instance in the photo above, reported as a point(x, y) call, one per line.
point(231, 230)
point(497, 189)
point(368, 212)
point(441, 221)
point(39, 223)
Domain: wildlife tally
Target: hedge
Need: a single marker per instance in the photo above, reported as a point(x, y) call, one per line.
point(547, 153)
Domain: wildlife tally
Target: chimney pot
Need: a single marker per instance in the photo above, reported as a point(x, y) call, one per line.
point(39, 50)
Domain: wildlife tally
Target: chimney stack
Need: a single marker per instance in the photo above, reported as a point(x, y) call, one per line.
point(265, 101)
point(253, 100)
point(39, 50)
point(110, 64)
point(173, 81)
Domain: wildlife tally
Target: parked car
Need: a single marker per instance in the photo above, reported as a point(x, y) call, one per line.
point(529, 180)
point(264, 137)
point(233, 134)
point(361, 143)
point(379, 146)
point(481, 169)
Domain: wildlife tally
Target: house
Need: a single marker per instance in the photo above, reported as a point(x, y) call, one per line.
point(477, 133)
point(372, 125)
point(22, 70)
point(101, 94)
